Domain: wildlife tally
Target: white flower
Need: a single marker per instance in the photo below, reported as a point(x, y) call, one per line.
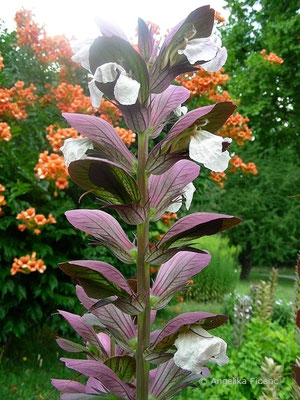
point(188, 193)
point(207, 149)
point(75, 149)
point(81, 52)
point(198, 347)
point(206, 49)
point(126, 89)
point(180, 110)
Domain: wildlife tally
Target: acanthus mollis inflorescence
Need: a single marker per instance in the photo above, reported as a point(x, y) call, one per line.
point(124, 359)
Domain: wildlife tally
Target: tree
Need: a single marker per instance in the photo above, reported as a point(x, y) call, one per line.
point(263, 53)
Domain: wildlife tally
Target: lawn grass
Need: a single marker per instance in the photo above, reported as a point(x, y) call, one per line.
point(285, 286)
point(23, 376)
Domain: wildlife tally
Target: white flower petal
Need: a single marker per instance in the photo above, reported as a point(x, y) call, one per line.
point(203, 49)
point(126, 90)
point(206, 148)
point(75, 149)
point(81, 52)
point(198, 347)
point(188, 193)
point(95, 94)
point(216, 63)
point(220, 163)
point(175, 206)
point(108, 72)
point(180, 110)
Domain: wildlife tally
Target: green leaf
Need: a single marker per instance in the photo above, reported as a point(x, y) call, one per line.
point(123, 366)
point(106, 180)
point(94, 283)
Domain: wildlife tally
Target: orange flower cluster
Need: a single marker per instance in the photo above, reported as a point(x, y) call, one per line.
point(57, 135)
point(272, 57)
point(52, 167)
point(202, 82)
point(218, 177)
point(27, 264)
point(217, 97)
point(47, 49)
point(168, 218)
point(219, 17)
point(2, 200)
point(70, 98)
point(1, 62)
point(236, 128)
point(32, 221)
point(4, 132)
point(126, 135)
point(237, 162)
point(13, 101)
point(109, 112)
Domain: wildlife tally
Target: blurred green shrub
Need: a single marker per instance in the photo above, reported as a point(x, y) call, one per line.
point(222, 273)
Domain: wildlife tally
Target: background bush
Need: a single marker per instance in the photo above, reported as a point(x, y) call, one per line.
point(222, 273)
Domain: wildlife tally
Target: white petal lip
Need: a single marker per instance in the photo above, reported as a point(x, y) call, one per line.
point(81, 52)
point(95, 94)
point(126, 89)
point(203, 49)
point(188, 193)
point(206, 49)
point(75, 149)
point(206, 148)
point(217, 63)
point(180, 110)
point(198, 347)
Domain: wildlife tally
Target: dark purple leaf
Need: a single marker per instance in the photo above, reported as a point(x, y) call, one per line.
point(105, 179)
point(132, 214)
point(85, 331)
point(145, 40)
point(176, 144)
point(197, 225)
point(104, 136)
point(164, 103)
point(66, 386)
point(97, 278)
point(114, 49)
point(136, 116)
point(298, 319)
point(173, 275)
point(119, 324)
point(170, 379)
point(165, 188)
point(70, 346)
point(105, 229)
point(105, 375)
point(166, 337)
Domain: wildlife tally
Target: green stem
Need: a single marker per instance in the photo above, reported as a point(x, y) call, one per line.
point(143, 274)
